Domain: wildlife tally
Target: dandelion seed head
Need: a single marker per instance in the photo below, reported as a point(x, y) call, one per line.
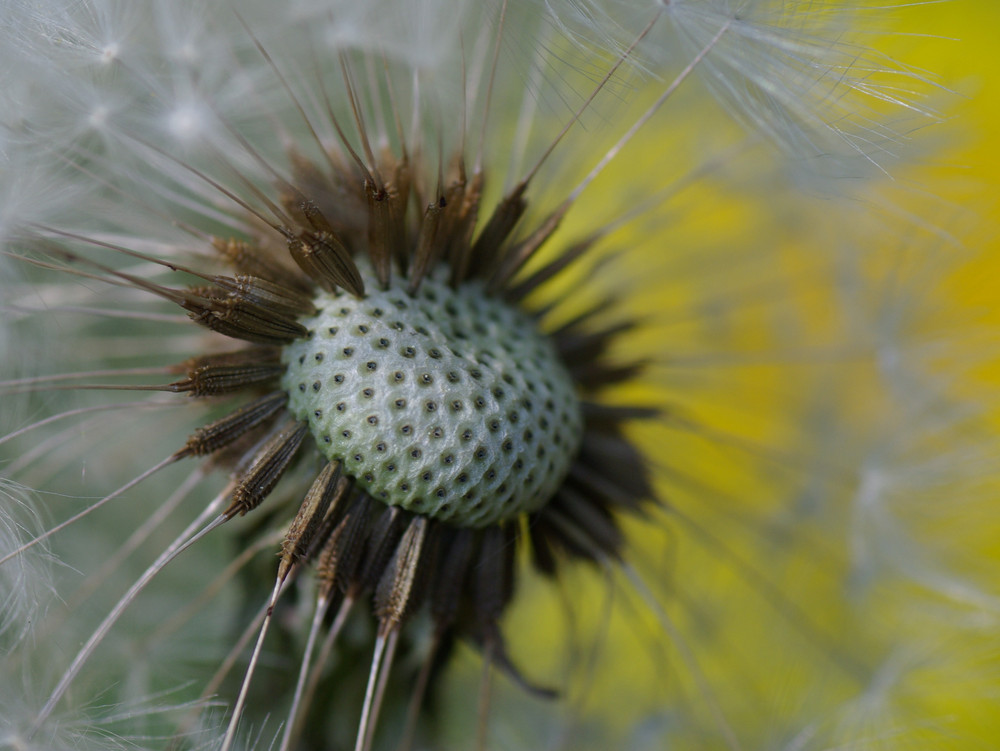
point(718, 353)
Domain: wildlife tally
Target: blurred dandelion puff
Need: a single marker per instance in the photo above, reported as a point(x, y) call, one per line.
point(466, 302)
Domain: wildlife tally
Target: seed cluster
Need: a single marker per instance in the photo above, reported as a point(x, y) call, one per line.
point(446, 402)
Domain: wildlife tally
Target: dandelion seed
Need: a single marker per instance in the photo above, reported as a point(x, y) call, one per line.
point(421, 369)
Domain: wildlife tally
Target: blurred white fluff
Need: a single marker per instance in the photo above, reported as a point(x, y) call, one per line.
point(25, 583)
point(797, 73)
point(82, 76)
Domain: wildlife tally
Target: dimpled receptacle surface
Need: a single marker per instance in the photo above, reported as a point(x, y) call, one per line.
point(446, 402)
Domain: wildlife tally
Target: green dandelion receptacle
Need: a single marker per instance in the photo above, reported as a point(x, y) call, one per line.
point(445, 401)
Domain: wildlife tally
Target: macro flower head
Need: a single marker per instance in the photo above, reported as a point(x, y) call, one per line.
point(436, 375)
